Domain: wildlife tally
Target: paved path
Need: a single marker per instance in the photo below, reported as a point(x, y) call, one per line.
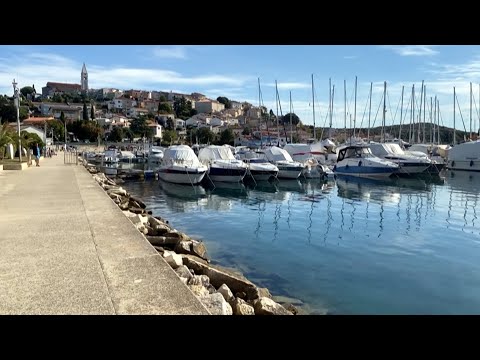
point(66, 248)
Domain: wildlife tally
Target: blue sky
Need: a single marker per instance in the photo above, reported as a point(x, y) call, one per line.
point(233, 70)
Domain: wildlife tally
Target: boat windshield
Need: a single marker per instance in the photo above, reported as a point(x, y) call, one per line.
point(363, 152)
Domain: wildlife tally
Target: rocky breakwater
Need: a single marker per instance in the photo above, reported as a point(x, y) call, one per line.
point(221, 290)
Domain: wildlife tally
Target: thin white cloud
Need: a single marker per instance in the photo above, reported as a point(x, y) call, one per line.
point(350, 57)
point(175, 52)
point(412, 50)
point(38, 69)
point(290, 85)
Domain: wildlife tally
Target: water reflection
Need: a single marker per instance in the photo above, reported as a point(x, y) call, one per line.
point(463, 198)
point(351, 245)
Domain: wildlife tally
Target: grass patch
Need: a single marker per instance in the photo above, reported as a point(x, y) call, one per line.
point(12, 161)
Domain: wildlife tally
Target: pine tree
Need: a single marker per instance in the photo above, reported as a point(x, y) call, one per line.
point(85, 111)
point(92, 113)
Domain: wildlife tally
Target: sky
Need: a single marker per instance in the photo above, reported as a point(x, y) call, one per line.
point(234, 71)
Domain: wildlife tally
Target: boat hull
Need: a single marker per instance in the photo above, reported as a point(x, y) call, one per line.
point(182, 176)
point(226, 174)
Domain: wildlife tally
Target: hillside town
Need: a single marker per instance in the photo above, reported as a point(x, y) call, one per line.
point(107, 114)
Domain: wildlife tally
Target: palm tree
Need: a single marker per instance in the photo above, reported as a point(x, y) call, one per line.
point(6, 137)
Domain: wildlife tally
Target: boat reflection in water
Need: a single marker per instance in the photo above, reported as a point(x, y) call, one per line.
point(191, 196)
point(462, 201)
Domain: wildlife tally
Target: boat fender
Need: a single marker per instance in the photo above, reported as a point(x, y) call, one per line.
point(360, 163)
point(471, 163)
point(334, 167)
point(346, 166)
point(453, 163)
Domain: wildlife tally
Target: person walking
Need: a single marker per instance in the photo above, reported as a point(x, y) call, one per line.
point(37, 153)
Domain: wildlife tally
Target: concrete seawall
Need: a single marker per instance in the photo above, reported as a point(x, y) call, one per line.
point(66, 248)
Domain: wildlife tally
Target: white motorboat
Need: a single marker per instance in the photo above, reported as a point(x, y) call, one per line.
point(180, 165)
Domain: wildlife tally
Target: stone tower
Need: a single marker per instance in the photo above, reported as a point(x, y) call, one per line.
point(84, 78)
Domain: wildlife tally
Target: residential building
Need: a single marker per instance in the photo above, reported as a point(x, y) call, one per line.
point(136, 112)
point(72, 111)
point(208, 106)
point(157, 129)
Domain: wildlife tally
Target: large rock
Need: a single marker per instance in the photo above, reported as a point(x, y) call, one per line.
point(240, 307)
point(119, 191)
point(161, 230)
point(179, 235)
point(199, 280)
point(183, 247)
point(129, 214)
point(136, 210)
point(226, 292)
point(139, 202)
point(199, 249)
point(262, 292)
point(199, 290)
point(183, 272)
point(216, 304)
point(219, 276)
point(174, 260)
point(139, 219)
point(266, 306)
point(163, 241)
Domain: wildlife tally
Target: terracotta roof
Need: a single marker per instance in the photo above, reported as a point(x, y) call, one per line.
point(64, 86)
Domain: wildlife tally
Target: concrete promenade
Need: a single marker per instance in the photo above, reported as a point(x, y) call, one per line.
point(66, 248)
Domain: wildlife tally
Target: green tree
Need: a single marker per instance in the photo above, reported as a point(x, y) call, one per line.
point(7, 136)
point(57, 98)
point(225, 101)
point(227, 137)
point(58, 128)
point(140, 128)
point(162, 98)
point(170, 125)
point(128, 133)
point(85, 111)
point(165, 108)
point(246, 131)
point(182, 108)
point(205, 135)
point(116, 135)
point(295, 119)
point(169, 137)
point(26, 90)
point(92, 112)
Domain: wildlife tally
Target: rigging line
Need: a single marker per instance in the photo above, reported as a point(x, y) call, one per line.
point(460, 110)
point(364, 111)
point(380, 104)
point(439, 113)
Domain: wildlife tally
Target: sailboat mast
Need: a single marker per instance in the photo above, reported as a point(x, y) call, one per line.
point(411, 115)
point(401, 117)
point(355, 109)
point(471, 95)
point(382, 137)
point(260, 107)
point(432, 124)
point(454, 99)
point(345, 109)
point(424, 107)
point(420, 114)
point(277, 97)
point(291, 131)
point(369, 112)
point(438, 119)
point(331, 113)
point(313, 104)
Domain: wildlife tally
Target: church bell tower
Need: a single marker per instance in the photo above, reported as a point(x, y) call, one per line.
point(84, 78)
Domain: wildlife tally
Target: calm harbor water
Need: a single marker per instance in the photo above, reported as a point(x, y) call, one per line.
point(343, 247)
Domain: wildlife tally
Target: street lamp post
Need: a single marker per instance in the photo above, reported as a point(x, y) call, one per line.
point(16, 99)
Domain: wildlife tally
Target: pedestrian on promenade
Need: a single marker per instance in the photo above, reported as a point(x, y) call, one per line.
point(36, 153)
